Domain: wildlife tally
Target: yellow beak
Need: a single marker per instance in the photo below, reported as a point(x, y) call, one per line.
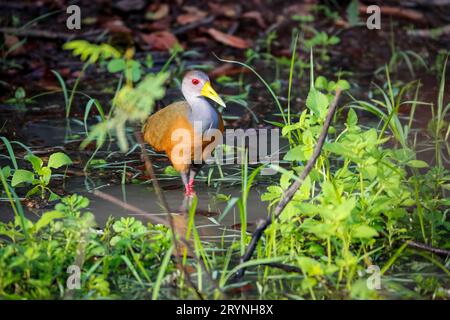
point(209, 92)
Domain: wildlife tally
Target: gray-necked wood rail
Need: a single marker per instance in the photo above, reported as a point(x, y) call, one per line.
point(174, 128)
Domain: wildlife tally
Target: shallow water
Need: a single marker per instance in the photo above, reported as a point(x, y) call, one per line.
point(209, 219)
point(208, 212)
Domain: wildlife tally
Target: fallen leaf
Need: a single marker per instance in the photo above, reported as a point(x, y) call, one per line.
point(341, 23)
point(298, 9)
point(161, 24)
point(192, 14)
point(201, 40)
point(12, 42)
point(229, 10)
point(116, 26)
point(256, 15)
point(160, 40)
point(157, 11)
point(229, 40)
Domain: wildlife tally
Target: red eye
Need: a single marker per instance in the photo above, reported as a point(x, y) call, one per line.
point(195, 82)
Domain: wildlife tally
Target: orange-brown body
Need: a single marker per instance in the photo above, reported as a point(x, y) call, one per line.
point(160, 132)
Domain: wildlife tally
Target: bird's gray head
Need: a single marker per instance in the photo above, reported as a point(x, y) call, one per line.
point(196, 83)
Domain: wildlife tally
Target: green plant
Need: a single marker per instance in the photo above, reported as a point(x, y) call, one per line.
point(130, 67)
point(20, 99)
point(40, 177)
point(131, 105)
point(438, 126)
point(409, 57)
point(358, 207)
point(387, 109)
point(89, 53)
point(38, 267)
point(5, 62)
point(398, 57)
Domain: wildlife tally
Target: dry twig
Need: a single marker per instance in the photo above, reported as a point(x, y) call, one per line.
point(52, 35)
point(426, 247)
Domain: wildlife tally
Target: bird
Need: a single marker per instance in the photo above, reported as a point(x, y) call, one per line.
point(175, 128)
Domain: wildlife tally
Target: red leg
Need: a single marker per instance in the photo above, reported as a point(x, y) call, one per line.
point(190, 188)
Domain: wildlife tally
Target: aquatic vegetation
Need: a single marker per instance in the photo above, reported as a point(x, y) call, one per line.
point(40, 177)
point(64, 243)
point(20, 99)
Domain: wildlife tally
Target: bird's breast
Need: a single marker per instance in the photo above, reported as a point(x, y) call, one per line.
point(204, 117)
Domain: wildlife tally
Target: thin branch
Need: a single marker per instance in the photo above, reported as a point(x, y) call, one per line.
point(52, 35)
point(426, 247)
point(289, 193)
point(151, 173)
point(399, 12)
point(129, 207)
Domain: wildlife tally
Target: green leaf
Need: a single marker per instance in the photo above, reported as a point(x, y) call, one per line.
point(58, 160)
point(116, 65)
point(273, 192)
point(295, 154)
point(310, 266)
point(91, 51)
point(21, 176)
point(20, 93)
point(321, 83)
point(53, 197)
point(340, 149)
point(417, 164)
point(47, 218)
point(36, 162)
point(321, 230)
point(317, 102)
point(135, 71)
point(343, 85)
point(6, 171)
point(169, 170)
point(46, 174)
point(291, 127)
point(343, 210)
point(352, 118)
point(334, 40)
point(364, 232)
point(149, 61)
point(32, 191)
point(331, 86)
point(353, 12)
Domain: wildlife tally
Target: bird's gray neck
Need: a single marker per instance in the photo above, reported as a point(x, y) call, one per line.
point(202, 114)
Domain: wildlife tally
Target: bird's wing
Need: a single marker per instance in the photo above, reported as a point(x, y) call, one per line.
point(158, 126)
